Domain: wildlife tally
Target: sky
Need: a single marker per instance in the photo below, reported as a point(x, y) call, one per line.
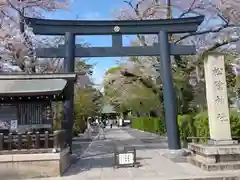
point(94, 10)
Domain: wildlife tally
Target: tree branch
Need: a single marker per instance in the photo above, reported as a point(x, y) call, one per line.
point(145, 82)
point(217, 45)
point(204, 32)
point(188, 10)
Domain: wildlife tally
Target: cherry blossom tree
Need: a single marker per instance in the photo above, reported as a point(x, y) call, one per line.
point(17, 43)
point(130, 90)
point(218, 32)
point(236, 70)
point(220, 28)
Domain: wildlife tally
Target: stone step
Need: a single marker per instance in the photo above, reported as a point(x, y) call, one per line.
point(234, 165)
point(210, 178)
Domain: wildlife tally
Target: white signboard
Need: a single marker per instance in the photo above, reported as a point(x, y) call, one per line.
point(14, 124)
point(127, 158)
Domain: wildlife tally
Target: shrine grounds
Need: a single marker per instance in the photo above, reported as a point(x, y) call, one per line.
point(96, 162)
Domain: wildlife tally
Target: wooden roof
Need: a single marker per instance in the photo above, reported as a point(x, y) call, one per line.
point(33, 84)
point(108, 109)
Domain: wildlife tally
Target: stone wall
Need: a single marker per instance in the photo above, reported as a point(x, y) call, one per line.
point(23, 166)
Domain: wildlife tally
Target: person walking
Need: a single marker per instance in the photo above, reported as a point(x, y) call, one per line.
point(89, 128)
point(101, 131)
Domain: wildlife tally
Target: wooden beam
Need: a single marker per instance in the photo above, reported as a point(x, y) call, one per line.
point(114, 51)
point(59, 27)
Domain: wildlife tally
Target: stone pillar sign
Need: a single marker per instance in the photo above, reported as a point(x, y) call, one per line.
point(217, 99)
point(221, 152)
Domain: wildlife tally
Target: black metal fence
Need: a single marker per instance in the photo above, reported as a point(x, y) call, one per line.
point(36, 142)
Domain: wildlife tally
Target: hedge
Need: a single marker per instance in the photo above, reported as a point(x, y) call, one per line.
point(186, 126)
point(190, 125)
point(202, 128)
point(149, 124)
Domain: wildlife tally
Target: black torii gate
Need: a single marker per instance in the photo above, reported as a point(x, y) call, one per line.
point(70, 28)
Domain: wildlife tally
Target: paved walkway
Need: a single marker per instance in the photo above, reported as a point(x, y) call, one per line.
point(96, 163)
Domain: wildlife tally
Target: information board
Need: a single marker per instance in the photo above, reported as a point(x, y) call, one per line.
point(126, 158)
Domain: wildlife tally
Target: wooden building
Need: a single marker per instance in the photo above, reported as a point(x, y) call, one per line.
point(109, 114)
point(26, 100)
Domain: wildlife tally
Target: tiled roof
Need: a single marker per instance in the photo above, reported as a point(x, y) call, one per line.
point(29, 87)
point(31, 84)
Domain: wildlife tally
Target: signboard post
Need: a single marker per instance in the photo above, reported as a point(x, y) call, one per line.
point(126, 158)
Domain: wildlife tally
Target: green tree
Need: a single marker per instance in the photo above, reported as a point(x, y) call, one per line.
point(184, 91)
point(88, 103)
